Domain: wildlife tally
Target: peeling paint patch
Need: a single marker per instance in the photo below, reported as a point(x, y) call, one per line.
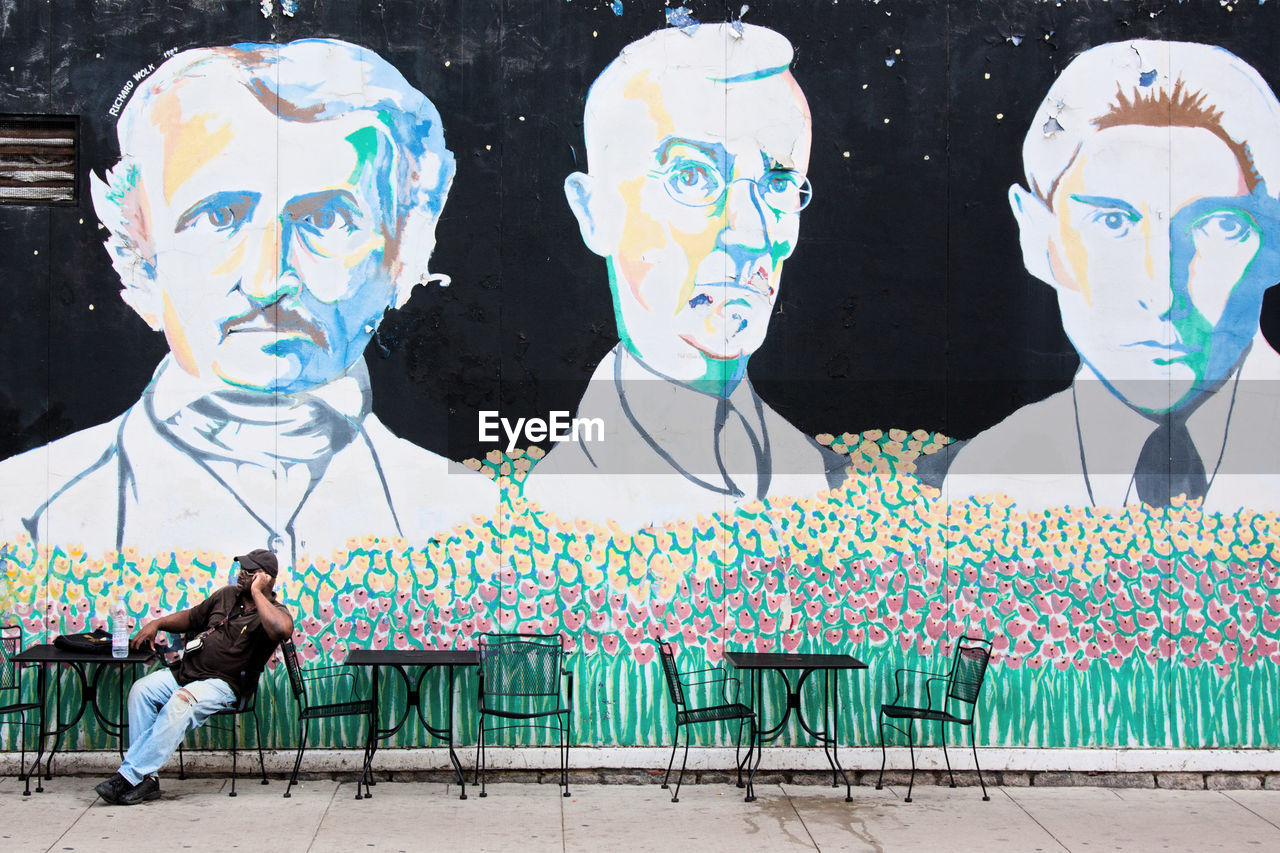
point(7, 7)
point(1051, 126)
point(683, 19)
point(616, 7)
point(1146, 78)
point(1014, 40)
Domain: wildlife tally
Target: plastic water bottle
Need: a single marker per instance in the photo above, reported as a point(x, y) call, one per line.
point(119, 629)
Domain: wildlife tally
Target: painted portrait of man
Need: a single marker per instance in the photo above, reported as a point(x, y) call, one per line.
point(1150, 208)
point(697, 146)
point(270, 204)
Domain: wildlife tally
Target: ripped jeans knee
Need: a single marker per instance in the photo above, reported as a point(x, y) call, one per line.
point(162, 712)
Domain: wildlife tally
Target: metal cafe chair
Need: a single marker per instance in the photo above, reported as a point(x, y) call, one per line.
point(246, 705)
point(308, 711)
point(730, 709)
point(520, 682)
point(11, 701)
point(963, 684)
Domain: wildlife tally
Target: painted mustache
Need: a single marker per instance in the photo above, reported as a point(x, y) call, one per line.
point(754, 279)
point(275, 318)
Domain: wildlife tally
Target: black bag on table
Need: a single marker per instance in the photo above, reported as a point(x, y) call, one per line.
point(95, 642)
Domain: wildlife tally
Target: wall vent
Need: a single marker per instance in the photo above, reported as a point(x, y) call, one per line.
point(38, 156)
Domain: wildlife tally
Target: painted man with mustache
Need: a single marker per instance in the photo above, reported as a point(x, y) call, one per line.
point(697, 145)
point(270, 204)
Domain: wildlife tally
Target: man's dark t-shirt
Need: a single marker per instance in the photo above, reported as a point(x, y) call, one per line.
point(238, 647)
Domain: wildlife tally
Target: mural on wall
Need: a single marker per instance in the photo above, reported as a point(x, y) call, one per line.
point(697, 144)
point(1148, 211)
point(274, 206)
point(269, 205)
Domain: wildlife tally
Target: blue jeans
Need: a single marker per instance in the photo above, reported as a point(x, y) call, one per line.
point(160, 715)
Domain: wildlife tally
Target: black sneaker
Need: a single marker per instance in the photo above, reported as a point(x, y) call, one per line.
point(112, 789)
point(147, 789)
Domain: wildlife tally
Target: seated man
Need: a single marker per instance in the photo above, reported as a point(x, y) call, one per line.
point(240, 626)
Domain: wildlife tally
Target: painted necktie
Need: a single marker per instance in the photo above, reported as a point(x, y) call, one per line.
point(1169, 464)
point(738, 451)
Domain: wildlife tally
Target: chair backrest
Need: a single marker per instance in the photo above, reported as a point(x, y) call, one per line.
point(669, 669)
point(968, 669)
point(290, 652)
point(10, 647)
point(521, 664)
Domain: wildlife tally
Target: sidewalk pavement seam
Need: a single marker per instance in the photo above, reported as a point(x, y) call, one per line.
point(72, 825)
point(1249, 810)
point(323, 815)
point(1034, 820)
point(800, 817)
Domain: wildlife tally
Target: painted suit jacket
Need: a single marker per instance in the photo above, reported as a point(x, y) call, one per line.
point(130, 483)
point(1080, 446)
point(658, 460)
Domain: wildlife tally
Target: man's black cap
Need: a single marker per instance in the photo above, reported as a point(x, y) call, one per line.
point(260, 558)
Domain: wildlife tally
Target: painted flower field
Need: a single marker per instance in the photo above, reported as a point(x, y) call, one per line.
point(1111, 627)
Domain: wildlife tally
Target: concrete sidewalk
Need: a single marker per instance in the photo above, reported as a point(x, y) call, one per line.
point(323, 817)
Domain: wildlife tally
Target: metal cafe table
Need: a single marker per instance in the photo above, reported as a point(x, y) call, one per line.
point(398, 660)
point(48, 655)
point(828, 734)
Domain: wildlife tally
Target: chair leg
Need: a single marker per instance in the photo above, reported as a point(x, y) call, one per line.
point(564, 758)
point(973, 743)
point(182, 767)
point(22, 745)
point(366, 772)
point(480, 762)
point(942, 727)
point(479, 734)
point(737, 751)
point(303, 725)
point(257, 736)
point(884, 756)
point(911, 745)
point(675, 797)
point(41, 740)
point(672, 759)
point(235, 727)
point(48, 764)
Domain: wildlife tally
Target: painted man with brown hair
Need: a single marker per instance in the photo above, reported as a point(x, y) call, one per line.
point(1148, 211)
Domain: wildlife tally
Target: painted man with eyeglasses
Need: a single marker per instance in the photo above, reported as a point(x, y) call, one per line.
point(697, 146)
point(1152, 170)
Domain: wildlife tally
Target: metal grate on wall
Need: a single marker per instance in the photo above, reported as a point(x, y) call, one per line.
point(38, 159)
